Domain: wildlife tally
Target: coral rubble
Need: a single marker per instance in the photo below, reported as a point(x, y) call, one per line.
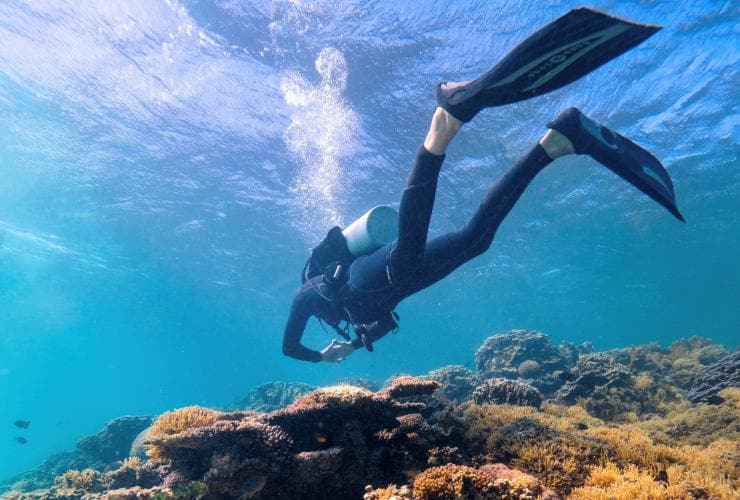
point(535, 421)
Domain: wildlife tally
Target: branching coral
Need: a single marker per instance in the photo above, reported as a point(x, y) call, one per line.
point(698, 425)
point(175, 422)
point(609, 482)
point(548, 445)
point(87, 480)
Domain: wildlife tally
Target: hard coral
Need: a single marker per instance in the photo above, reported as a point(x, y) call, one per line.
point(546, 445)
point(174, 422)
point(720, 375)
point(407, 386)
point(501, 355)
point(87, 480)
point(609, 482)
point(457, 381)
point(503, 391)
point(528, 368)
point(390, 492)
point(452, 482)
point(273, 395)
point(490, 481)
point(698, 425)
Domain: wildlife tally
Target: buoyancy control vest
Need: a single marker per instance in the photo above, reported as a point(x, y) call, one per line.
point(331, 258)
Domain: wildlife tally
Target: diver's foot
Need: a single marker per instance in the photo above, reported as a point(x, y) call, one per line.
point(556, 144)
point(586, 136)
point(630, 161)
point(461, 99)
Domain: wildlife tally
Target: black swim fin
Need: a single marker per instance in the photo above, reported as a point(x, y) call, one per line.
point(628, 160)
point(561, 52)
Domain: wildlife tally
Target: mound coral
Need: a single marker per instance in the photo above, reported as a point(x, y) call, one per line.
point(490, 481)
point(273, 395)
point(512, 392)
point(457, 381)
point(528, 368)
point(501, 355)
point(452, 482)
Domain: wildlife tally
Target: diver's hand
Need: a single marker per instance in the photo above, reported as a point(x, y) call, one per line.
point(336, 351)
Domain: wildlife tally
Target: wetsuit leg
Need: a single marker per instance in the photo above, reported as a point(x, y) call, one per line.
point(446, 253)
point(414, 214)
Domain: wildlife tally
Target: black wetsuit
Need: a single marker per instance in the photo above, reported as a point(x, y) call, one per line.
point(377, 282)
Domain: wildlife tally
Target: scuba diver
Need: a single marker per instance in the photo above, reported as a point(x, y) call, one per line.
point(341, 287)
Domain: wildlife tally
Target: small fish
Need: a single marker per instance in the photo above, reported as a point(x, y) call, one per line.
point(662, 475)
point(411, 472)
point(22, 424)
point(21, 439)
point(320, 438)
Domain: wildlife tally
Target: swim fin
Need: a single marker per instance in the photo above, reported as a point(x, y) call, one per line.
point(628, 160)
point(561, 52)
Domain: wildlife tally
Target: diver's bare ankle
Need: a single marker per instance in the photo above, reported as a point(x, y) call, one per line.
point(556, 144)
point(442, 130)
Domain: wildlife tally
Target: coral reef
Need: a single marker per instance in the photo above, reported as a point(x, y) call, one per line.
point(114, 441)
point(528, 355)
point(272, 396)
point(99, 452)
point(457, 381)
point(503, 391)
point(722, 374)
point(617, 425)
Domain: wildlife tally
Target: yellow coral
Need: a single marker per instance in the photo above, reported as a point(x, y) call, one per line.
point(77, 480)
point(131, 462)
point(451, 482)
point(643, 381)
point(611, 483)
point(486, 418)
point(343, 394)
point(698, 425)
point(174, 422)
point(731, 395)
point(553, 463)
point(570, 415)
point(632, 445)
point(390, 492)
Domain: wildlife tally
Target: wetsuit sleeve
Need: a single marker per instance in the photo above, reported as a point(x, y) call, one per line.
point(305, 303)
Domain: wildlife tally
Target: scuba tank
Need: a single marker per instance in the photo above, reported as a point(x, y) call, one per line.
point(377, 227)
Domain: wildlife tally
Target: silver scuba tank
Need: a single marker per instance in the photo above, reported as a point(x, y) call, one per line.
point(377, 227)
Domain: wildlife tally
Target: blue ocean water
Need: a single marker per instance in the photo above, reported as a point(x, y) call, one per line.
point(165, 167)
